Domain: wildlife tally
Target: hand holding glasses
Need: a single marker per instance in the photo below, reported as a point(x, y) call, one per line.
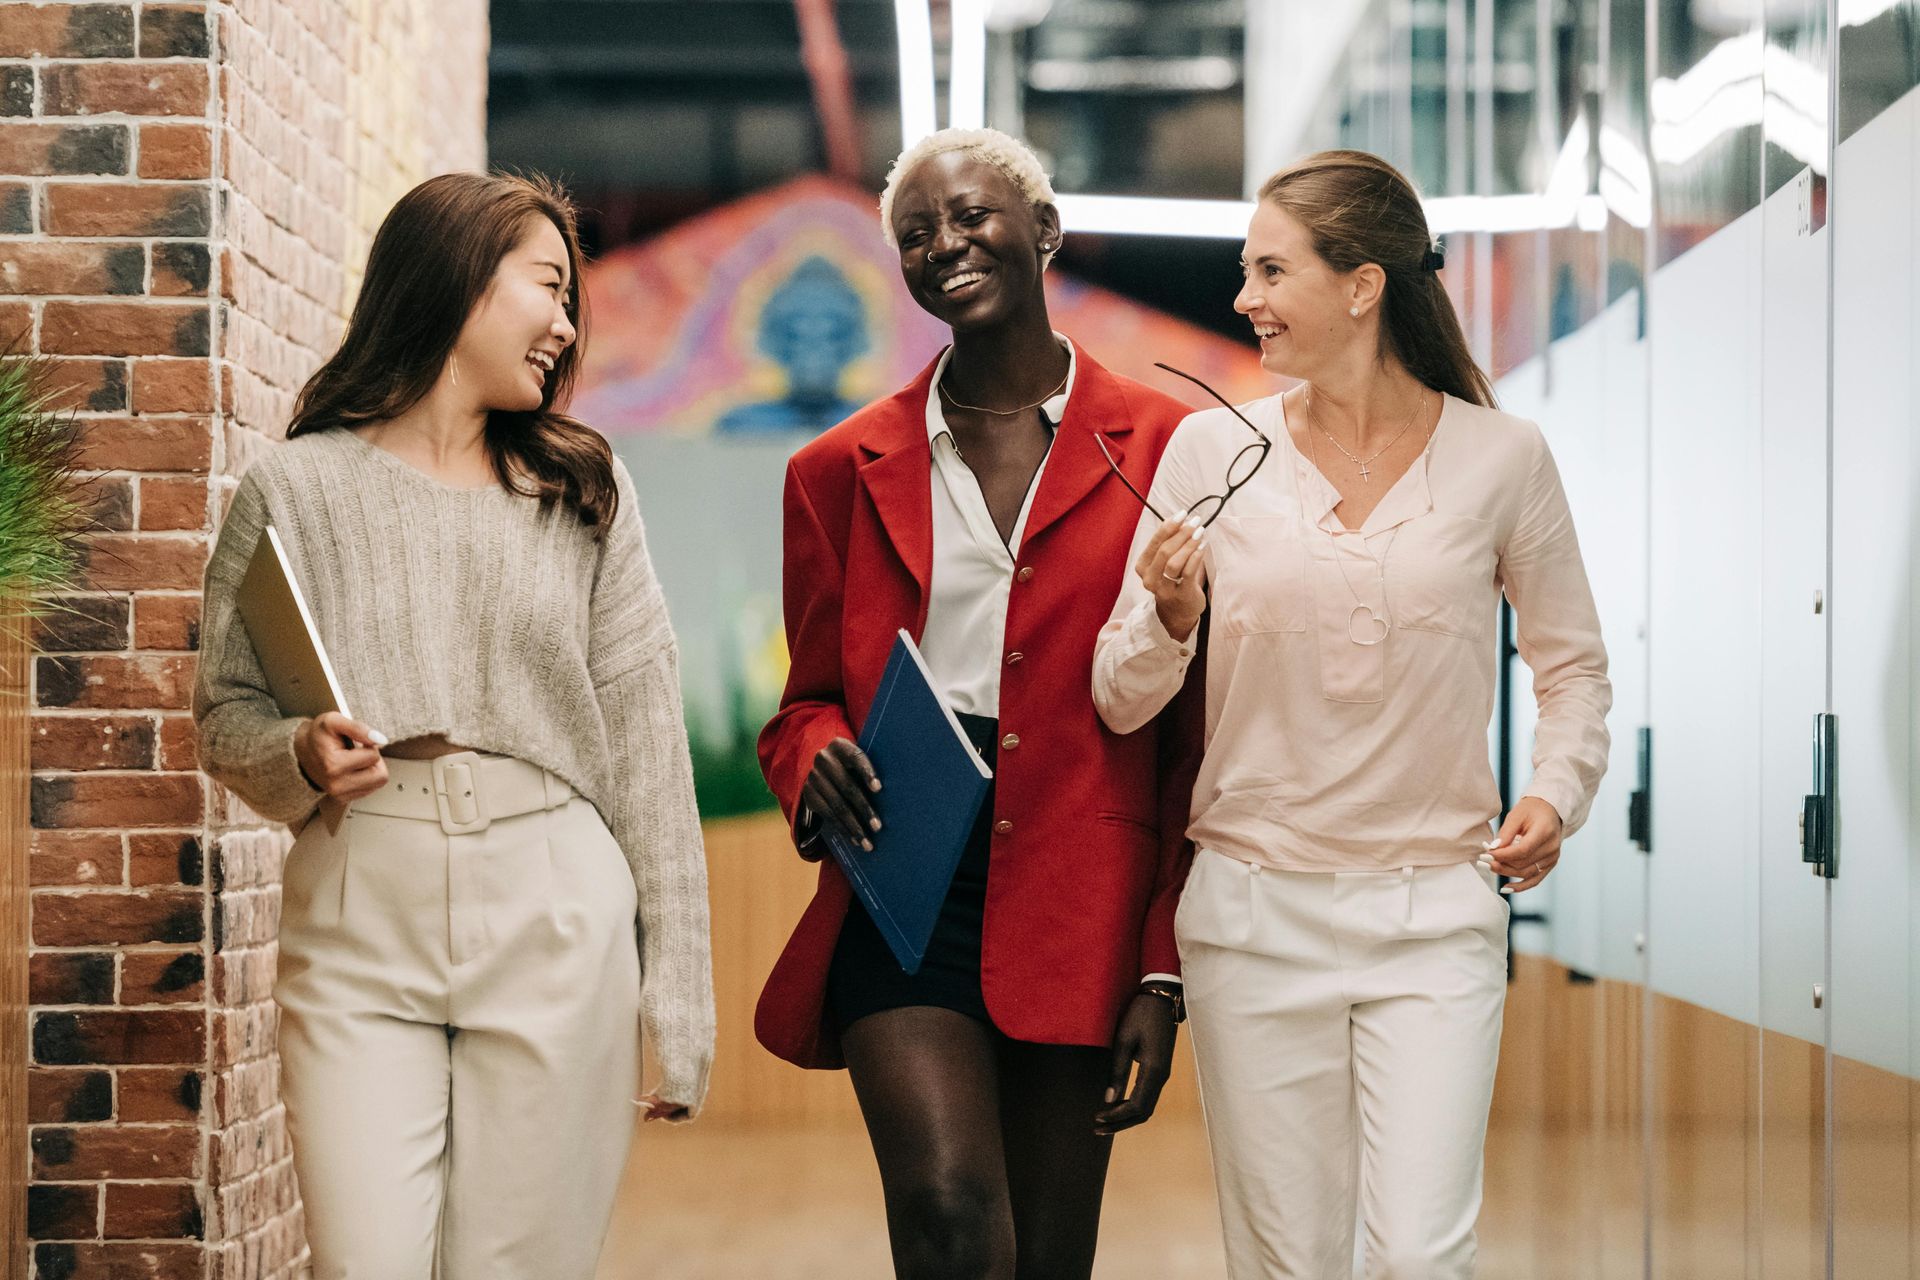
point(1173, 565)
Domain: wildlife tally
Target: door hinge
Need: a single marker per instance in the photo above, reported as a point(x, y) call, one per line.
point(1640, 803)
point(1820, 813)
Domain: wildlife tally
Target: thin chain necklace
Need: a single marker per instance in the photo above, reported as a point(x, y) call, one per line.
point(958, 403)
point(1383, 619)
point(1366, 475)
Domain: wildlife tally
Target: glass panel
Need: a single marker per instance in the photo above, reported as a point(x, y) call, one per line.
point(1705, 108)
point(1126, 97)
point(1876, 533)
point(1793, 657)
point(1704, 677)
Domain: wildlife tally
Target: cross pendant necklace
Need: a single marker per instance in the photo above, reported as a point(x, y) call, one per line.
point(1365, 464)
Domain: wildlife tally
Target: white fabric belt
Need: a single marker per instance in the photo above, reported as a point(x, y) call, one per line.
point(465, 791)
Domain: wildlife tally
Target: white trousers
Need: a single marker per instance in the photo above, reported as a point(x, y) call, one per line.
point(459, 1038)
point(1346, 1028)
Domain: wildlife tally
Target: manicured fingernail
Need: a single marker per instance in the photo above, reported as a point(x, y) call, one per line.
point(1506, 888)
point(377, 738)
point(874, 823)
point(1110, 1097)
point(1491, 844)
point(874, 785)
point(1181, 514)
point(867, 845)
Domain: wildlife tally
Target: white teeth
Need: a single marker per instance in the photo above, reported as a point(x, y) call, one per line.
point(1267, 330)
point(965, 277)
point(540, 359)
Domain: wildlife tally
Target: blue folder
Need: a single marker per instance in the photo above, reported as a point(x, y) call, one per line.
point(932, 782)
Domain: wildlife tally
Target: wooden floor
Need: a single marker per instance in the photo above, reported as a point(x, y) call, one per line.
point(719, 1201)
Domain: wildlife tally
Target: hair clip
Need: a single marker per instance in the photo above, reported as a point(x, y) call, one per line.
point(1433, 260)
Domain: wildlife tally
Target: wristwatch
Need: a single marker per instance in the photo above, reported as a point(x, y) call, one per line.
point(1171, 991)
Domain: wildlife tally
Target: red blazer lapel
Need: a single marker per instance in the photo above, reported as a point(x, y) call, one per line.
point(898, 477)
point(1096, 410)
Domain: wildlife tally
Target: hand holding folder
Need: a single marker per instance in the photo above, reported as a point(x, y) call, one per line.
point(932, 785)
point(299, 673)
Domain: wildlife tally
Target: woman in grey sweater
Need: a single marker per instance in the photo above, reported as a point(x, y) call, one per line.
point(460, 988)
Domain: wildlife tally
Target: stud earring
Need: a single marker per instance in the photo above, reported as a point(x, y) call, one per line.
point(1353, 311)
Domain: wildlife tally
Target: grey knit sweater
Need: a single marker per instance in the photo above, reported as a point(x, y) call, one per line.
point(474, 614)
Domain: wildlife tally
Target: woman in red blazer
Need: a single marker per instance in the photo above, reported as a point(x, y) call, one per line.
point(976, 510)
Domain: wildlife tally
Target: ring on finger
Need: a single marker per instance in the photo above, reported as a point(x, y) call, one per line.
point(1175, 581)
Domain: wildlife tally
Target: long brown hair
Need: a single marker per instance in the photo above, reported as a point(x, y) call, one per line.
point(1360, 209)
point(432, 261)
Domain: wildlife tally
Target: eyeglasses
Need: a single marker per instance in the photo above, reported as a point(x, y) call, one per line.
point(1239, 471)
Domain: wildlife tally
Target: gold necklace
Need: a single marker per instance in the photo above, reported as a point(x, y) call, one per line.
point(958, 403)
point(1366, 476)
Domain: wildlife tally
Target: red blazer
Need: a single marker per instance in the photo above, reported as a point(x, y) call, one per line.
point(1089, 849)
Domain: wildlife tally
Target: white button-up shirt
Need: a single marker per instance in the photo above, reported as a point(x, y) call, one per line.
point(972, 568)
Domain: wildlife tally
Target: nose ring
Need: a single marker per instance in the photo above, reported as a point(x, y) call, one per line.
point(929, 255)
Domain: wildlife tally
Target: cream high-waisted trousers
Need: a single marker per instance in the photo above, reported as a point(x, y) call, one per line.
point(459, 1027)
point(1346, 1027)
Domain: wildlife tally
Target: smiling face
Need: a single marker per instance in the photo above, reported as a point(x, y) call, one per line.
point(969, 241)
point(1299, 305)
point(517, 334)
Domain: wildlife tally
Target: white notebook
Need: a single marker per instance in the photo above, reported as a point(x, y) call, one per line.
point(299, 674)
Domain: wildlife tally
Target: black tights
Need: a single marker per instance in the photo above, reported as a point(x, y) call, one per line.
point(986, 1146)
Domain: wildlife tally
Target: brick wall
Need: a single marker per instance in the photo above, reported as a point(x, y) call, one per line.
point(186, 197)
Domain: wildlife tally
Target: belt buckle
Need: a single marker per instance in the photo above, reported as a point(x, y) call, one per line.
point(458, 795)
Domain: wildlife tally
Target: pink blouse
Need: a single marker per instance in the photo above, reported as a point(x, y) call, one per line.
point(1327, 753)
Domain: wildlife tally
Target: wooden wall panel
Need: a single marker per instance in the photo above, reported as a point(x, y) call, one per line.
point(758, 888)
point(15, 665)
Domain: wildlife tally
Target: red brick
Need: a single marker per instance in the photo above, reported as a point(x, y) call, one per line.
point(159, 1095)
point(176, 151)
point(162, 977)
point(16, 89)
point(153, 1211)
point(16, 321)
point(115, 1037)
point(93, 386)
point(174, 502)
point(115, 681)
point(181, 269)
point(70, 977)
point(68, 624)
point(112, 1151)
point(104, 918)
point(93, 742)
point(16, 209)
point(107, 502)
point(55, 266)
point(165, 857)
point(141, 1261)
point(132, 88)
point(179, 744)
point(66, 31)
point(174, 31)
point(35, 149)
point(124, 329)
point(57, 1211)
point(128, 209)
point(116, 799)
point(172, 386)
point(166, 622)
point(75, 858)
point(145, 444)
point(144, 562)
point(69, 1097)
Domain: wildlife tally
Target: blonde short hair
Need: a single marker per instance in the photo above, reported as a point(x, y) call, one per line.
point(1003, 151)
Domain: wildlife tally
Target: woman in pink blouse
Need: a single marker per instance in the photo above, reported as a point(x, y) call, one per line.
point(1342, 934)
